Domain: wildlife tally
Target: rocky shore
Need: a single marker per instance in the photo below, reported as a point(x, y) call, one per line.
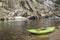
point(28, 9)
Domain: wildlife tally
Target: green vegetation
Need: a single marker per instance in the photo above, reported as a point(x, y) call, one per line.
point(57, 1)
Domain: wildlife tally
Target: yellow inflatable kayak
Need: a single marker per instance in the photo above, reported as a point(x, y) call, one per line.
point(42, 30)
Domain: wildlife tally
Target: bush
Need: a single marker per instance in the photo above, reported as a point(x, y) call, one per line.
point(57, 1)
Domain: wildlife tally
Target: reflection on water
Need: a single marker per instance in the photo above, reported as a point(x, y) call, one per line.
point(16, 30)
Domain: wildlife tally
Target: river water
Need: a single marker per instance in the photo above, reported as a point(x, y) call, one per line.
point(16, 30)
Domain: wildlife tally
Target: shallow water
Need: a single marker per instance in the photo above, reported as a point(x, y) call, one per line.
point(16, 30)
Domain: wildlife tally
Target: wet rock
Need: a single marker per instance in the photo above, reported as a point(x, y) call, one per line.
point(33, 18)
point(25, 14)
point(2, 19)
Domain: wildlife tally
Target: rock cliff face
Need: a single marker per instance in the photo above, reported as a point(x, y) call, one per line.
point(31, 7)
